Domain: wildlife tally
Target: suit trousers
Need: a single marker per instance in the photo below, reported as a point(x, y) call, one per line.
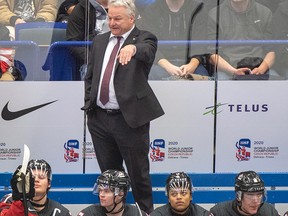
point(114, 141)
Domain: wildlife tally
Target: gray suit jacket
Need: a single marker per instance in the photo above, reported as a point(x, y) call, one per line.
point(136, 99)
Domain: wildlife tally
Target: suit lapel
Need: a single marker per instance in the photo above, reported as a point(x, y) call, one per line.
point(101, 48)
point(131, 39)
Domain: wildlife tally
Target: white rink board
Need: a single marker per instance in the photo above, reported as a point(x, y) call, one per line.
point(182, 139)
point(45, 130)
point(50, 130)
point(184, 134)
point(252, 127)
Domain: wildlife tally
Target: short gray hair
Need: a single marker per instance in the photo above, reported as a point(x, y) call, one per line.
point(128, 4)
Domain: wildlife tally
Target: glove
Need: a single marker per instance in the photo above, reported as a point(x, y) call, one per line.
point(17, 183)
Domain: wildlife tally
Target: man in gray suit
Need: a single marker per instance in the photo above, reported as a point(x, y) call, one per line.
point(119, 124)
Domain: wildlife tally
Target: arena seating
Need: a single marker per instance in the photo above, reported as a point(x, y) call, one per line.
point(208, 188)
point(60, 62)
point(63, 66)
point(22, 50)
point(41, 33)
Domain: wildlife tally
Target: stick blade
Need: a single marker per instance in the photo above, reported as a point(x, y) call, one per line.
point(26, 156)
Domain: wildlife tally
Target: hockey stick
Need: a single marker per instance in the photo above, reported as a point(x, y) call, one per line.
point(26, 156)
point(84, 143)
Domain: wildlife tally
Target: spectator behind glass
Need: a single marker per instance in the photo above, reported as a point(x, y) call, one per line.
point(119, 101)
point(37, 184)
point(171, 20)
point(112, 188)
point(280, 32)
point(4, 33)
point(141, 4)
point(8, 71)
point(211, 3)
point(272, 5)
point(65, 10)
point(9, 67)
point(83, 28)
point(179, 193)
point(13, 12)
point(250, 198)
point(241, 20)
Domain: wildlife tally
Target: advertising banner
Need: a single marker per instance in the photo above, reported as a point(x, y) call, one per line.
point(252, 126)
point(46, 116)
point(182, 139)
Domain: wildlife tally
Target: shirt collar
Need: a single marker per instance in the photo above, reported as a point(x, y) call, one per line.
point(124, 35)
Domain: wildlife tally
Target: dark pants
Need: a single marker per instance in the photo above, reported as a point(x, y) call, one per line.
point(114, 141)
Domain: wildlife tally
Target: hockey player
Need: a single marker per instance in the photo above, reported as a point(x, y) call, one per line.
point(38, 182)
point(179, 192)
point(112, 187)
point(250, 198)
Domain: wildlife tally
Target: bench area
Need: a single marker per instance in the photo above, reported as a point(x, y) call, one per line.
point(208, 188)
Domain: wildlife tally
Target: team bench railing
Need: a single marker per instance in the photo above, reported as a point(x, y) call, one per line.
point(208, 187)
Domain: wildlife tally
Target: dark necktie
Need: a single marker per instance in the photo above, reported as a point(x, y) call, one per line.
point(104, 92)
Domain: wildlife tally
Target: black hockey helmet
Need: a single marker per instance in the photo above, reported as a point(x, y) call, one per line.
point(116, 180)
point(249, 181)
point(42, 166)
point(178, 180)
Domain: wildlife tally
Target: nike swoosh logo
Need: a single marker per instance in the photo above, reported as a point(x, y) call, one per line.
point(9, 115)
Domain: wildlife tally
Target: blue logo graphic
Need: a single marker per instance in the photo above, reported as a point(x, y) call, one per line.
point(157, 150)
point(71, 151)
point(242, 153)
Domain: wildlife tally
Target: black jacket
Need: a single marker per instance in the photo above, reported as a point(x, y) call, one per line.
point(136, 98)
point(79, 29)
point(280, 32)
point(62, 15)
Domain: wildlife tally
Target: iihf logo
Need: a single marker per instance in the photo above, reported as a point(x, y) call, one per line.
point(243, 146)
point(157, 147)
point(71, 151)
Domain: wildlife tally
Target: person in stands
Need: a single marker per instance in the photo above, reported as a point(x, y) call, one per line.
point(13, 12)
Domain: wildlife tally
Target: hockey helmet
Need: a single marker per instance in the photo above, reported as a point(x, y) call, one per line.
point(249, 181)
point(115, 180)
point(41, 166)
point(178, 180)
